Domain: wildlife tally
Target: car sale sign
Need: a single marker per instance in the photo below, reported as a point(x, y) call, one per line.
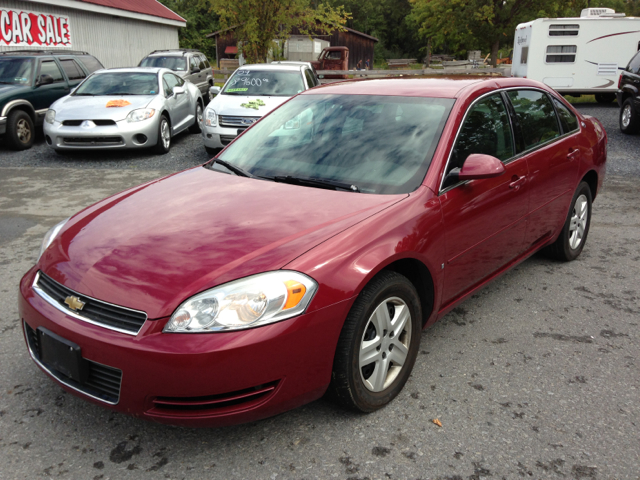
point(22, 28)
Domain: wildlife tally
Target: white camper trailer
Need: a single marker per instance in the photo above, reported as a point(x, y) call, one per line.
point(577, 55)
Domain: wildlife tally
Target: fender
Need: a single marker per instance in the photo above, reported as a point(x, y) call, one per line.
point(14, 103)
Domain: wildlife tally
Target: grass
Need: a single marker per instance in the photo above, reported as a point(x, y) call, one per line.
point(581, 99)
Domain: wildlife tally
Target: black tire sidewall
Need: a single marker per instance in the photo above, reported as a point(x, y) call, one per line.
point(12, 127)
point(159, 147)
point(389, 285)
point(633, 121)
point(196, 127)
point(569, 253)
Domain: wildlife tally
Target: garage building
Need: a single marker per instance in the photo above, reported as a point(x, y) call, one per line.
point(118, 32)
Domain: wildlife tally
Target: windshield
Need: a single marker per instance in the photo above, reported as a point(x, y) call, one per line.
point(122, 83)
point(177, 64)
point(264, 83)
point(15, 71)
point(381, 144)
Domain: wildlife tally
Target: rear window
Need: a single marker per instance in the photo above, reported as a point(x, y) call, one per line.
point(177, 64)
point(90, 63)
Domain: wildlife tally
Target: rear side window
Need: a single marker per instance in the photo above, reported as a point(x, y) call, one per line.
point(561, 53)
point(49, 67)
point(486, 130)
point(524, 55)
point(72, 69)
point(90, 63)
point(206, 62)
point(536, 117)
point(310, 80)
point(634, 64)
point(568, 120)
point(564, 30)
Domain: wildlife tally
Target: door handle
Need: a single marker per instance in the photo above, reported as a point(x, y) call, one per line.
point(573, 154)
point(517, 182)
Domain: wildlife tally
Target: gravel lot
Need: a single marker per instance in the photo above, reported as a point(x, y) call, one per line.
point(536, 376)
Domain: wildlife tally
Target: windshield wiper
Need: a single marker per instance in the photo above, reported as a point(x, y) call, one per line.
point(84, 94)
point(231, 167)
point(315, 182)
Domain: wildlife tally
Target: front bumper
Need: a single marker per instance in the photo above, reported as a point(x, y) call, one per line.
point(3, 125)
point(122, 135)
point(204, 380)
point(220, 137)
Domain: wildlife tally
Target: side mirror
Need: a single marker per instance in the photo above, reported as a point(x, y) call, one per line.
point(213, 91)
point(476, 167)
point(178, 90)
point(44, 80)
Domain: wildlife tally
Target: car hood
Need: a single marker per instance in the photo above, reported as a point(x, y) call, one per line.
point(10, 92)
point(153, 246)
point(95, 108)
point(233, 105)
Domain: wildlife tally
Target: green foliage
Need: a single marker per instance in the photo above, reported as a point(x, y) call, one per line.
point(201, 20)
point(257, 23)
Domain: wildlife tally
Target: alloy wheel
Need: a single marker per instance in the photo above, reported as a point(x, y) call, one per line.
point(23, 131)
point(626, 116)
point(385, 344)
point(165, 133)
point(578, 223)
point(199, 115)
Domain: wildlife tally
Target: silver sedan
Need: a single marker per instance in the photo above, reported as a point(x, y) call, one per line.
point(125, 108)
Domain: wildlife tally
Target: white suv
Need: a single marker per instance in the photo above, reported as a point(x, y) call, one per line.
point(250, 93)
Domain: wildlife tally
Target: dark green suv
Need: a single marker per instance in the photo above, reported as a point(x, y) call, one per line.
point(30, 81)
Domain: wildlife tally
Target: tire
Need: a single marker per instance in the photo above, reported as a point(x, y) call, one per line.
point(367, 385)
point(163, 145)
point(20, 131)
point(629, 122)
point(197, 125)
point(605, 97)
point(576, 227)
point(212, 151)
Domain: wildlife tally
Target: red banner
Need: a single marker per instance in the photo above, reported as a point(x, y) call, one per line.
point(21, 28)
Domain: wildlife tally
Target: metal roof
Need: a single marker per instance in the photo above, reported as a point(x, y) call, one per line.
point(146, 7)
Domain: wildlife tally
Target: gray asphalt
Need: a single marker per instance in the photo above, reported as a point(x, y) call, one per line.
point(536, 376)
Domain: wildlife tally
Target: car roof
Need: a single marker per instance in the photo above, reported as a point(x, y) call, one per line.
point(41, 53)
point(172, 53)
point(136, 69)
point(441, 87)
point(272, 66)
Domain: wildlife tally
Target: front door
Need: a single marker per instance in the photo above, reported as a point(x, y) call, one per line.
point(485, 220)
point(178, 104)
point(45, 95)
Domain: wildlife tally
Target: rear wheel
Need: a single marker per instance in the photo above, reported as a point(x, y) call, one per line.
point(628, 117)
point(20, 131)
point(576, 227)
point(605, 97)
point(378, 344)
point(164, 136)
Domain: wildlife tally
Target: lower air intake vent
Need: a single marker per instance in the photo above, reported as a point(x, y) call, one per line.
point(213, 404)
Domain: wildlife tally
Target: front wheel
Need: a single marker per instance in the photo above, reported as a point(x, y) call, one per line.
point(576, 227)
point(628, 117)
point(378, 344)
point(197, 126)
point(20, 131)
point(164, 136)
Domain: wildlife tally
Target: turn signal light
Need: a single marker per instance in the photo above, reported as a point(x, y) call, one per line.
point(295, 292)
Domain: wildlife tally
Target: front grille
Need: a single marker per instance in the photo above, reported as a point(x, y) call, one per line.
point(103, 382)
point(242, 122)
point(214, 404)
point(94, 311)
point(227, 139)
point(93, 141)
point(77, 123)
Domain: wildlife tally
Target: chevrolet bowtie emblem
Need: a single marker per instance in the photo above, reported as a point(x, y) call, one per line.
point(74, 302)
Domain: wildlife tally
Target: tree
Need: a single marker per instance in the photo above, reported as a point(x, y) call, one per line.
point(200, 21)
point(257, 23)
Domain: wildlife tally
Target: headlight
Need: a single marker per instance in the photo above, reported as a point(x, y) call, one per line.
point(210, 117)
point(140, 114)
point(246, 303)
point(50, 235)
point(50, 116)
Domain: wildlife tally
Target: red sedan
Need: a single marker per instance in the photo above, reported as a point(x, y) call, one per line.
point(310, 254)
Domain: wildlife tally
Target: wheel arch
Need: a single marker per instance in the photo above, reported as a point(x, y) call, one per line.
point(20, 104)
point(591, 178)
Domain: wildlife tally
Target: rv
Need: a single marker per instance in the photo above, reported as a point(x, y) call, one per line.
point(577, 55)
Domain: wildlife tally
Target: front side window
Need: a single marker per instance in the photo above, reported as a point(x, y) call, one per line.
point(119, 83)
point(49, 67)
point(15, 71)
point(310, 80)
point(564, 30)
point(536, 117)
point(177, 64)
point(561, 53)
point(194, 64)
point(486, 129)
point(568, 120)
point(264, 83)
point(171, 81)
point(201, 63)
point(381, 144)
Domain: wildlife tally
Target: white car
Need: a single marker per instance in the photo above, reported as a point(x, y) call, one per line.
point(250, 93)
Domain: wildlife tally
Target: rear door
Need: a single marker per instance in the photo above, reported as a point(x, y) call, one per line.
point(485, 220)
point(552, 153)
point(74, 72)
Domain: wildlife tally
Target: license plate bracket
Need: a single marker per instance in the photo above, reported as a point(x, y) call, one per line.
point(62, 355)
